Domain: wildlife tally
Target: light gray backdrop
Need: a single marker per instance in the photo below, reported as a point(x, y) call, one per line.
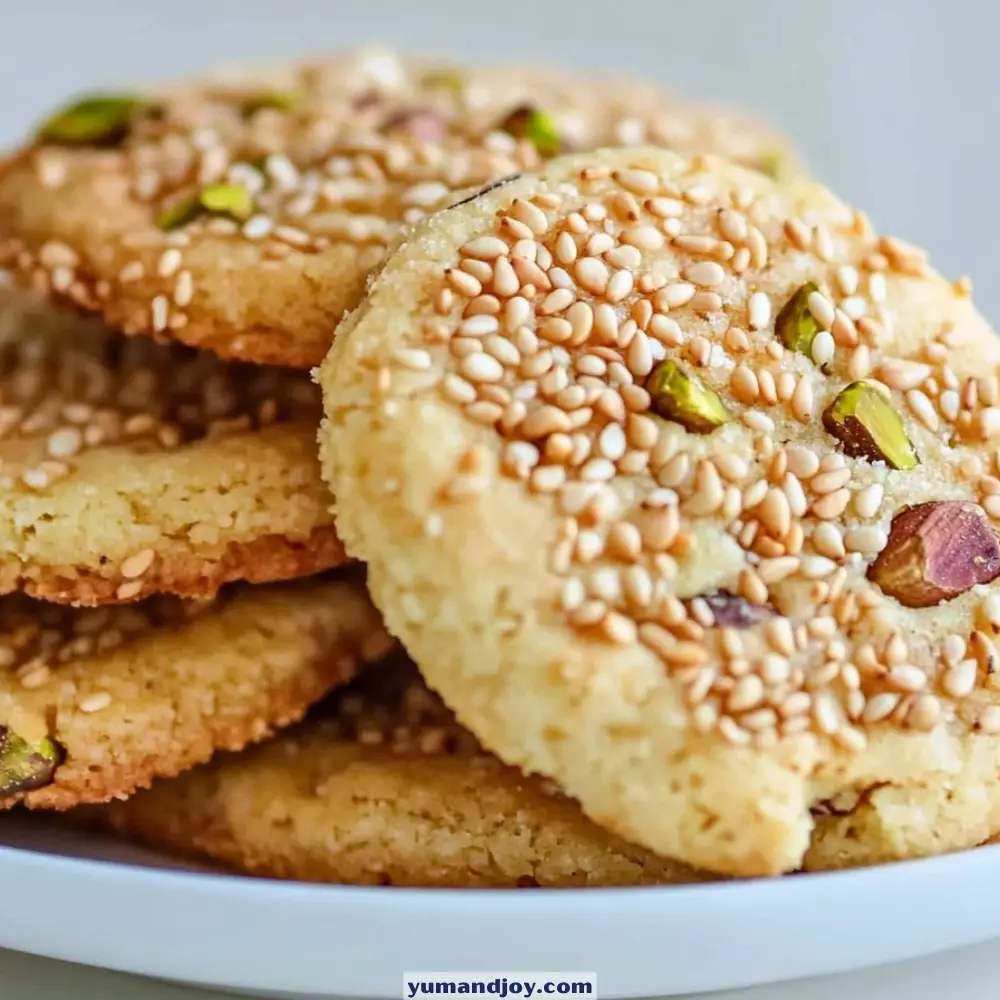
point(894, 102)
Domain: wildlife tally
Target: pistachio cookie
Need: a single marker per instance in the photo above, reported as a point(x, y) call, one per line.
point(129, 468)
point(95, 703)
point(681, 487)
point(385, 788)
point(243, 213)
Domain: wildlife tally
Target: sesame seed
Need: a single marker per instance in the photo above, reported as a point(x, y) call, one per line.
point(480, 367)
point(592, 275)
point(413, 358)
point(485, 248)
point(868, 501)
point(706, 273)
point(136, 565)
point(95, 702)
point(821, 308)
point(160, 313)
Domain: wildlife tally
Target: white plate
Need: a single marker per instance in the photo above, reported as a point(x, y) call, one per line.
point(87, 900)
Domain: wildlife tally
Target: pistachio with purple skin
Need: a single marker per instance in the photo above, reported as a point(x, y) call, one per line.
point(422, 124)
point(937, 551)
point(731, 611)
point(24, 765)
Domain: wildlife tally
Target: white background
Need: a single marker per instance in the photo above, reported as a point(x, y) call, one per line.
point(894, 103)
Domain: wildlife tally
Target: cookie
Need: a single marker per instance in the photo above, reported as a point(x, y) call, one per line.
point(95, 703)
point(686, 496)
point(385, 788)
point(129, 468)
point(242, 214)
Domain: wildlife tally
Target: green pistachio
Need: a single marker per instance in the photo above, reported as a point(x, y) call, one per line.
point(269, 100)
point(24, 765)
point(795, 325)
point(538, 127)
point(682, 397)
point(227, 200)
point(869, 426)
point(100, 120)
point(450, 80)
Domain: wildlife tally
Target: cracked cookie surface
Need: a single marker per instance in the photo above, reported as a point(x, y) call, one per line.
point(681, 486)
point(383, 787)
point(129, 468)
point(96, 703)
point(242, 213)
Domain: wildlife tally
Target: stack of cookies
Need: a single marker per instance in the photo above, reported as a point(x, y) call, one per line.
point(678, 483)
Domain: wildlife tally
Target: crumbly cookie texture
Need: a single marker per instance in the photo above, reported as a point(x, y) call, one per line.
point(96, 703)
point(129, 468)
point(384, 789)
point(243, 213)
point(681, 486)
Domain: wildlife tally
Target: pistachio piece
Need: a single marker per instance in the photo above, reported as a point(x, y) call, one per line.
point(233, 200)
point(795, 325)
point(682, 397)
point(99, 120)
point(732, 611)
point(269, 100)
point(24, 765)
point(180, 213)
point(869, 426)
point(770, 163)
point(539, 128)
point(422, 124)
point(230, 200)
point(935, 552)
point(443, 79)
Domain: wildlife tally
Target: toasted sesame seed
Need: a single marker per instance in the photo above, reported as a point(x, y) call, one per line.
point(94, 702)
point(481, 367)
point(413, 358)
point(868, 501)
point(706, 273)
point(137, 565)
point(485, 248)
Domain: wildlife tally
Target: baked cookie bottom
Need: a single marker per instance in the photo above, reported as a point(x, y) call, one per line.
point(383, 788)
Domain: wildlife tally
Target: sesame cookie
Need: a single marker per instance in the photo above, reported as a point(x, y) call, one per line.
point(682, 487)
point(385, 788)
point(95, 703)
point(129, 468)
point(243, 213)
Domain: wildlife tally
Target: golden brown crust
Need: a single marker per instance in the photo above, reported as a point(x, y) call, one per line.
point(186, 574)
point(549, 544)
point(181, 683)
point(384, 796)
point(128, 469)
point(352, 162)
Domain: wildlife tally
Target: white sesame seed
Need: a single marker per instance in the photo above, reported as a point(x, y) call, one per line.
point(94, 702)
point(169, 262)
point(592, 275)
point(821, 308)
point(866, 539)
point(160, 313)
point(706, 273)
point(65, 442)
point(823, 348)
point(413, 358)
point(907, 678)
point(868, 501)
point(479, 326)
point(802, 401)
point(828, 540)
point(481, 368)
point(485, 248)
